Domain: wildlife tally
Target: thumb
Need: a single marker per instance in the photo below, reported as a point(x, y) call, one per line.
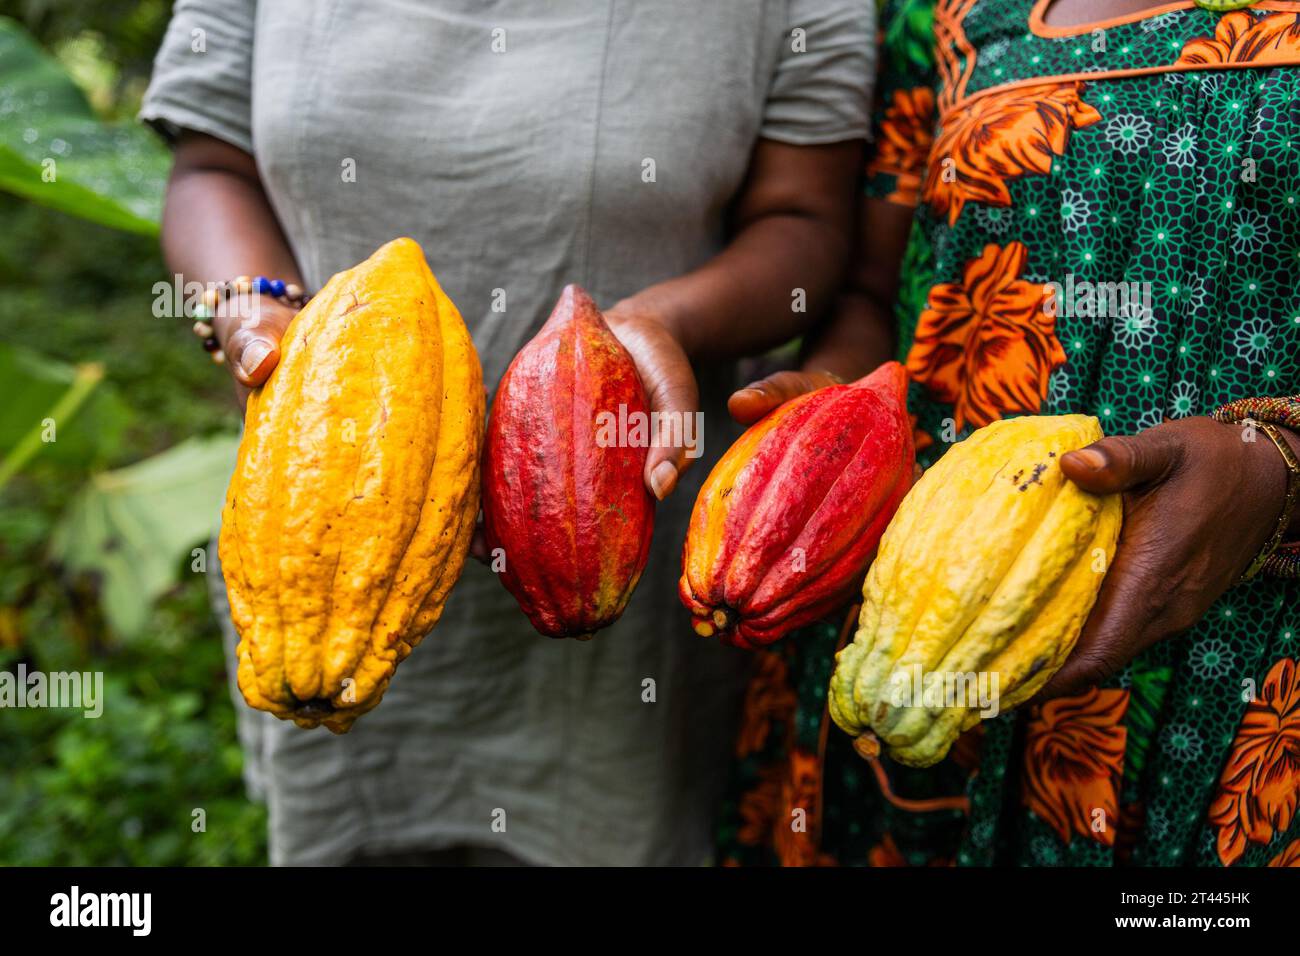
point(674, 401)
point(1122, 462)
point(747, 405)
point(253, 348)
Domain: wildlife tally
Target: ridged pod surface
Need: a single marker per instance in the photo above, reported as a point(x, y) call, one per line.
point(988, 570)
point(355, 492)
point(563, 493)
point(788, 520)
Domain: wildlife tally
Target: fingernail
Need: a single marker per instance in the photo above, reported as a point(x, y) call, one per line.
point(662, 479)
point(754, 387)
point(1092, 459)
point(254, 355)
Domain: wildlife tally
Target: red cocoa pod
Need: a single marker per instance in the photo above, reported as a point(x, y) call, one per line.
point(567, 505)
point(788, 521)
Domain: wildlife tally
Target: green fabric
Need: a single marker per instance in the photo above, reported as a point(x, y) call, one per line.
point(1186, 184)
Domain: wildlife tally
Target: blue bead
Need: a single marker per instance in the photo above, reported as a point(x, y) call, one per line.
point(277, 287)
point(262, 285)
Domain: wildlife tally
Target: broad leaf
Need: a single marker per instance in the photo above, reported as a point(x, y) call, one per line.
point(134, 528)
point(55, 151)
point(33, 390)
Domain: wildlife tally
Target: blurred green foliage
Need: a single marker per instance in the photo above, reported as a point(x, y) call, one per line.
point(108, 45)
point(123, 788)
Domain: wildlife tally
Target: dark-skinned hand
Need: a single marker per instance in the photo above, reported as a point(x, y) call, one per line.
point(747, 405)
point(249, 329)
point(670, 388)
point(1199, 503)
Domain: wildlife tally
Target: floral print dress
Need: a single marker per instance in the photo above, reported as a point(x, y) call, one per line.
point(1146, 170)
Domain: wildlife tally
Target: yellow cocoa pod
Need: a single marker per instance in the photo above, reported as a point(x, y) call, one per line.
point(354, 496)
point(982, 584)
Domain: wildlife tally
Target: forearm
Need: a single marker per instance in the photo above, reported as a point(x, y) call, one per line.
point(857, 338)
point(217, 222)
point(860, 333)
point(765, 288)
point(792, 228)
point(218, 225)
point(1282, 413)
point(1292, 439)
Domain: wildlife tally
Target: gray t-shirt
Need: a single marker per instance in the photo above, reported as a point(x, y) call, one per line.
point(525, 146)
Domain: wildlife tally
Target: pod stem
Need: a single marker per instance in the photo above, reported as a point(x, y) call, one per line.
point(868, 747)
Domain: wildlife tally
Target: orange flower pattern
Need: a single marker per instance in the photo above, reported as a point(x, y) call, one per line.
point(768, 697)
point(1290, 855)
point(985, 344)
point(1241, 37)
point(904, 138)
point(1074, 757)
point(1016, 126)
point(795, 836)
point(1260, 785)
point(1000, 136)
point(760, 807)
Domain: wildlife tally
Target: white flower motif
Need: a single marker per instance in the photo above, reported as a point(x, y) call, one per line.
point(1059, 388)
point(1182, 399)
point(1158, 22)
point(1149, 419)
point(1134, 331)
point(1129, 132)
point(995, 50)
point(1157, 822)
point(993, 219)
point(1251, 230)
point(1257, 124)
point(1075, 210)
point(1198, 294)
point(1211, 659)
point(1180, 148)
point(1182, 742)
point(982, 832)
point(1045, 851)
point(1252, 339)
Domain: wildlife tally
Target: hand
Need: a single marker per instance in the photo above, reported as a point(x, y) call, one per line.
point(670, 387)
point(249, 329)
point(1199, 503)
point(747, 405)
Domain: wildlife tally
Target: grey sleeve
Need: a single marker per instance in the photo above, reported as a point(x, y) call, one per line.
point(202, 75)
point(821, 91)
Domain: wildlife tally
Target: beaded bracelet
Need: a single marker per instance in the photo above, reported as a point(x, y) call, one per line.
point(1275, 560)
point(287, 292)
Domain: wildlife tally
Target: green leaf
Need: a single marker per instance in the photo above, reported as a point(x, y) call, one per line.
point(88, 417)
point(133, 527)
point(55, 151)
point(1148, 684)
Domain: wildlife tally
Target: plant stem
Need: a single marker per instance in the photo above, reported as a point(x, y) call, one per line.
point(88, 375)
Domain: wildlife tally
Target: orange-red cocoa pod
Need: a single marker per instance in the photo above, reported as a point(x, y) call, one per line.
point(788, 521)
point(563, 493)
